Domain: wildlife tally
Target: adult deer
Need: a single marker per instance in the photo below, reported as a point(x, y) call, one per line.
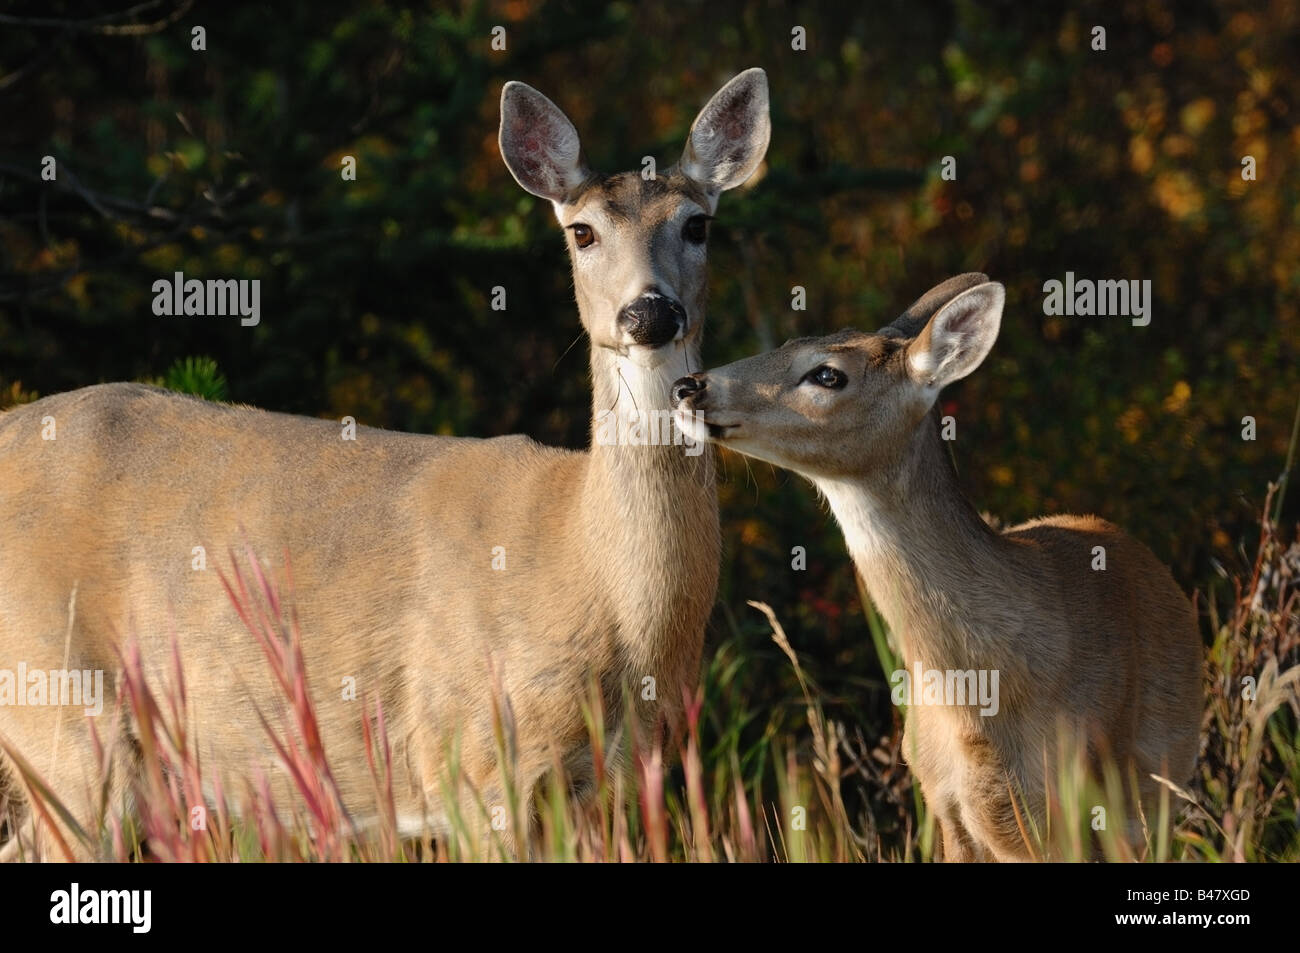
point(1113, 652)
point(425, 568)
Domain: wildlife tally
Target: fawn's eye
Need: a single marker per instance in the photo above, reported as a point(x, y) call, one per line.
point(696, 229)
point(832, 378)
point(583, 235)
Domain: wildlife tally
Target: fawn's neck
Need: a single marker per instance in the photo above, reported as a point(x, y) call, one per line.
point(940, 576)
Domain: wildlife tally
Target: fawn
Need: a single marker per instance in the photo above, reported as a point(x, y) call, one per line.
point(1112, 655)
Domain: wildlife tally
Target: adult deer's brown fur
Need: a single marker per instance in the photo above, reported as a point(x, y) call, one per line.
point(1111, 655)
point(610, 555)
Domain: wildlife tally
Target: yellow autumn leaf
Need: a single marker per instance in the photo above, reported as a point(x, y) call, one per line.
point(1178, 397)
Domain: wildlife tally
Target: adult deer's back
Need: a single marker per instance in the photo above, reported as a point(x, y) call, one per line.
point(428, 570)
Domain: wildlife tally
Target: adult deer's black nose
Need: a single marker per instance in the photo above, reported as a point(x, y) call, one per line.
point(685, 387)
point(652, 319)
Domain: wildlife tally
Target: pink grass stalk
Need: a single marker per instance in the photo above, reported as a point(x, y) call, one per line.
point(300, 749)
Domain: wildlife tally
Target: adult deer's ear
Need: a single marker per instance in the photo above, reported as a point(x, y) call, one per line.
point(730, 135)
point(958, 338)
point(539, 144)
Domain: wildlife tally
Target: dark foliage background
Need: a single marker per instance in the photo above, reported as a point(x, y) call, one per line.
point(1122, 163)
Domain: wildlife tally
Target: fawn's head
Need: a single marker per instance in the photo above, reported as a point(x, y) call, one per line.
point(638, 244)
point(848, 404)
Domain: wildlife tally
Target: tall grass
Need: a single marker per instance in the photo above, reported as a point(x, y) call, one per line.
point(792, 786)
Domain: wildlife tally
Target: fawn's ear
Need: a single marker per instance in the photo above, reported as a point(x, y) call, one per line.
point(539, 144)
point(957, 339)
point(730, 135)
point(919, 312)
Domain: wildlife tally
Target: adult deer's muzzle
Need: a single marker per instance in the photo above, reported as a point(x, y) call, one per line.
point(652, 319)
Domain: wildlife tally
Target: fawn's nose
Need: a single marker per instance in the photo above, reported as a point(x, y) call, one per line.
point(686, 387)
point(652, 319)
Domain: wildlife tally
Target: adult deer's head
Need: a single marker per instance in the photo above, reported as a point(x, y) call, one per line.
point(638, 244)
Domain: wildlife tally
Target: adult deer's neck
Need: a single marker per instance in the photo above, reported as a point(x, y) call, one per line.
point(942, 579)
point(650, 512)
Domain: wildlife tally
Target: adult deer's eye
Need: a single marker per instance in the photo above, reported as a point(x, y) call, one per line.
point(826, 376)
point(696, 229)
point(582, 234)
